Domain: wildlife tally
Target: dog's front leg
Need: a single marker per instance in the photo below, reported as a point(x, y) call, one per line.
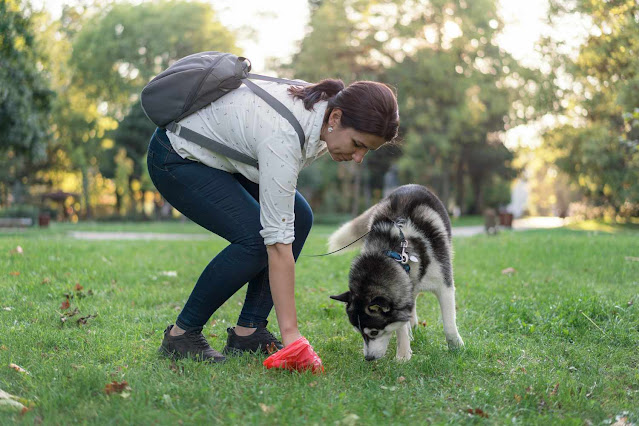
point(403, 342)
point(413, 316)
point(446, 296)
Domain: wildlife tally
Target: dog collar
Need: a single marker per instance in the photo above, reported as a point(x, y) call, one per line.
point(398, 257)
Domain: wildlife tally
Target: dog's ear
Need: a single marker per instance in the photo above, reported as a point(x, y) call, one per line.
point(344, 297)
point(379, 304)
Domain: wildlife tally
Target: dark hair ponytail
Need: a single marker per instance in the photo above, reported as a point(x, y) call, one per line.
point(322, 91)
point(367, 106)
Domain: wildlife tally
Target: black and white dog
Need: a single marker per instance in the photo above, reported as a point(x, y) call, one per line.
point(408, 251)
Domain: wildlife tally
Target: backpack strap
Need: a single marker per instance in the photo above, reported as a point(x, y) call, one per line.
point(277, 106)
point(210, 144)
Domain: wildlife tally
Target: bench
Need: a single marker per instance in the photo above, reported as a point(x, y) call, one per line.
point(15, 222)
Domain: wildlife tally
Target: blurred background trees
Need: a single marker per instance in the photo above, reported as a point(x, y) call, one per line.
point(70, 117)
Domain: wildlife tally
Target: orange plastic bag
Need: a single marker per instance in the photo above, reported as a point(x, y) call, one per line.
point(297, 356)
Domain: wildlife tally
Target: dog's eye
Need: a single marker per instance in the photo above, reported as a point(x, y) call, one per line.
point(374, 333)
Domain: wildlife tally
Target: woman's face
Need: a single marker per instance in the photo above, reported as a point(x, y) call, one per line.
point(346, 144)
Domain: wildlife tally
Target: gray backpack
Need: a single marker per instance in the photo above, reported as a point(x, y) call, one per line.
point(195, 81)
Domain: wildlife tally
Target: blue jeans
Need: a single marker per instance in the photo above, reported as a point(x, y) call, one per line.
point(227, 205)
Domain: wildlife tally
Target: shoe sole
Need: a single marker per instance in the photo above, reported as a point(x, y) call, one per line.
point(175, 356)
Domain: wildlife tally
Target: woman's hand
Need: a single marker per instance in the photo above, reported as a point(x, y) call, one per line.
point(281, 266)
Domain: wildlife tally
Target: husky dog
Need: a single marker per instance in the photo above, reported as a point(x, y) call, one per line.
point(408, 250)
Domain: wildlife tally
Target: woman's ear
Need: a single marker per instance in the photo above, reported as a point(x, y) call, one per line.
point(335, 118)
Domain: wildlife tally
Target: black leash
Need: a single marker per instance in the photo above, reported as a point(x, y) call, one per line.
point(326, 254)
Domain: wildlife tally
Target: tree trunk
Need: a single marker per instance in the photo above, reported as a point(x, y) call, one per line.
point(88, 212)
point(459, 186)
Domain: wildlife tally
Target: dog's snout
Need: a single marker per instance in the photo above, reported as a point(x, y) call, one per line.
point(370, 358)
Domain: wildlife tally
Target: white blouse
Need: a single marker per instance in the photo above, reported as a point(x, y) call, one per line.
point(243, 121)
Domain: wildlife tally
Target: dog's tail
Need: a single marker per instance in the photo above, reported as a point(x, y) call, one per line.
point(351, 231)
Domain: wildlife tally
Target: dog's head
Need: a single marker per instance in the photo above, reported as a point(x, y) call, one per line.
point(379, 300)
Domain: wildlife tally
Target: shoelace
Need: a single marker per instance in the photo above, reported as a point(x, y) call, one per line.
point(198, 339)
point(268, 335)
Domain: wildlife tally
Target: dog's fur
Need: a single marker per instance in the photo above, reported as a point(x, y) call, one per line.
point(381, 295)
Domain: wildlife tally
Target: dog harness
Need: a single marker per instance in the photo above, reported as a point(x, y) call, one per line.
point(404, 257)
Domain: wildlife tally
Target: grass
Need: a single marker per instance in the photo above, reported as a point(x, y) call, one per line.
point(555, 342)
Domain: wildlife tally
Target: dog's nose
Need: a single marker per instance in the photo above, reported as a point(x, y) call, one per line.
point(369, 358)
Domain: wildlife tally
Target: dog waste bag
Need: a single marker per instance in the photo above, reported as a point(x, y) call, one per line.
point(297, 356)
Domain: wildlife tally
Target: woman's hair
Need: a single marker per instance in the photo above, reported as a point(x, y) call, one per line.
point(367, 106)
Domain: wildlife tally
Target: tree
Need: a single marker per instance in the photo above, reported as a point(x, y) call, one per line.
point(25, 97)
point(600, 151)
point(115, 53)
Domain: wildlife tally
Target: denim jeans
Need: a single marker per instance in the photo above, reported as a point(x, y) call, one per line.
point(228, 205)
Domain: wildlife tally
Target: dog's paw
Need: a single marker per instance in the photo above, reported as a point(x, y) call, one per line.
point(404, 355)
point(455, 342)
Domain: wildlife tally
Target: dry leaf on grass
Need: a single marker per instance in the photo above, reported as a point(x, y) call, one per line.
point(18, 368)
point(84, 320)
point(10, 402)
point(65, 305)
point(17, 250)
point(46, 281)
point(14, 273)
point(632, 258)
point(554, 390)
point(78, 287)
point(271, 348)
point(508, 271)
point(266, 408)
point(423, 323)
point(477, 412)
point(116, 387)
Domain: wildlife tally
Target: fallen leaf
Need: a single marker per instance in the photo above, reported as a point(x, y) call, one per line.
point(11, 402)
point(83, 320)
point(477, 412)
point(632, 258)
point(212, 335)
point(65, 305)
point(350, 419)
point(17, 250)
point(554, 390)
point(517, 398)
point(266, 408)
point(78, 287)
point(312, 384)
point(271, 348)
point(423, 323)
point(508, 271)
point(18, 368)
point(401, 379)
point(3, 348)
point(14, 273)
point(46, 281)
point(115, 387)
point(500, 362)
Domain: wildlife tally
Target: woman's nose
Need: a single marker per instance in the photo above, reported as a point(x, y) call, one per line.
point(358, 156)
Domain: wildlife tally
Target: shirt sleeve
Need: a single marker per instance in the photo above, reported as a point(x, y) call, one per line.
point(279, 167)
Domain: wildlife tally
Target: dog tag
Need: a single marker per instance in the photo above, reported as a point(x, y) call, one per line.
point(413, 259)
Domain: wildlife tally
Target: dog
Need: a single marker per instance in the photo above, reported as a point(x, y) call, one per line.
point(408, 250)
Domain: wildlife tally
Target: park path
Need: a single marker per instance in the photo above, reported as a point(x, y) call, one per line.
point(458, 231)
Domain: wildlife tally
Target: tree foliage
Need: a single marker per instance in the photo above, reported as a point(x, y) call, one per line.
point(600, 149)
point(25, 97)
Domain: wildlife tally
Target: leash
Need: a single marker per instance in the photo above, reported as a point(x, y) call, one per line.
point(326, 254)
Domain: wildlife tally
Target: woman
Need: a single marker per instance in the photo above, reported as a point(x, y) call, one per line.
point(259, 212)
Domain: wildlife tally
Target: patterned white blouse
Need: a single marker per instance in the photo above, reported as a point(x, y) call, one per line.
point(243, 121)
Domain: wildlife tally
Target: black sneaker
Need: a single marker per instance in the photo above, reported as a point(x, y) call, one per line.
point(191, 344)
point(256, 342)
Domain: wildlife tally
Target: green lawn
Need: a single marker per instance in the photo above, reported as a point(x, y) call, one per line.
point(555, 342)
